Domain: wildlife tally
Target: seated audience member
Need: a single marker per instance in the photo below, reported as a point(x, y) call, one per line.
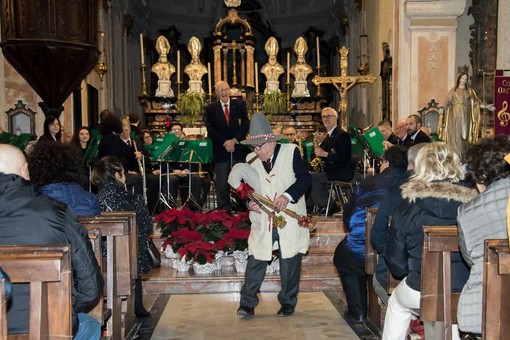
point(81, 140)
point(52, 130)
point(109, 176)
point(56, 168)
point(480, 219)
point(29, 218)
point(390, 138)
point(431, 197)
point(349, 258)
point(414, 133)
point(391, 199)
point(335, 151)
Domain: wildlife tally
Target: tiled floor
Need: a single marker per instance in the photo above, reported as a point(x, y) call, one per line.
point(212, 316)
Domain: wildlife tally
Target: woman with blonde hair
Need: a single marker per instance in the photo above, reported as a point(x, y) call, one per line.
point(431, 197)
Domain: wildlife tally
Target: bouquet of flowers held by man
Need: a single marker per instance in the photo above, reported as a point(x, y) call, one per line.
point(200, 236)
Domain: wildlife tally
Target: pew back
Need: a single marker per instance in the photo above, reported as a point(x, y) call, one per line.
point(496, 281)
point(121, 234)
point(3, 311)
point(47, 268)
point(437, 302)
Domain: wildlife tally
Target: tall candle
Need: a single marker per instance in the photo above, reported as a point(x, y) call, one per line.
point(318, 54)
point(209, 78)
point(178, 66)
point(288, 67)
point(141, 49)
point(256, 78)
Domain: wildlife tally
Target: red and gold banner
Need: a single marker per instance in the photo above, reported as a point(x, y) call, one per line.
point(502, 103)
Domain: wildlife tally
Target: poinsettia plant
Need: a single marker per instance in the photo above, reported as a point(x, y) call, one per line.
point(199, 236)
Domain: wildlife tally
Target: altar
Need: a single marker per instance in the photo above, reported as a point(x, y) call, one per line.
point(289, 85)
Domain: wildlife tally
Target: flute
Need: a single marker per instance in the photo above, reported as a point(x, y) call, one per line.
point(142, 172)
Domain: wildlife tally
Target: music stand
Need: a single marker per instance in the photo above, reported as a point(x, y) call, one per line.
point(165, 151)
point(368, 152)
point(194, 151)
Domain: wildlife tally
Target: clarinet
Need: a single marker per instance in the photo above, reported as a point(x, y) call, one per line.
point(142, 172)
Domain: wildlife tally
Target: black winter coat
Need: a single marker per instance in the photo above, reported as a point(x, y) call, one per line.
point(114, 198)
point(425, 204)
point(29, 218)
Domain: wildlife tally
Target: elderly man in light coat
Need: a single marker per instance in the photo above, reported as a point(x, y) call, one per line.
point(279, 174)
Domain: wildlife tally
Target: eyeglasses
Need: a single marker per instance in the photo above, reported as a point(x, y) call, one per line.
point(175, 130)
point(328, 116)
point(289, 134)
point(224, 89)
point(258, 147)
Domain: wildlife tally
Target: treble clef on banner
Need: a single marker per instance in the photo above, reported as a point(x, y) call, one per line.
point(504, 115)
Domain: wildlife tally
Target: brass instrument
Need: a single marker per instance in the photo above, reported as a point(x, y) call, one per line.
point(317, 163)
point(141, 166)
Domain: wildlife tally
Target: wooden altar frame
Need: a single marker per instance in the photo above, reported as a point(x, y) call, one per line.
point(21, 108)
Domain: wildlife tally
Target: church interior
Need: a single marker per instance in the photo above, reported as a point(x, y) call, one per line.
point(371, 61)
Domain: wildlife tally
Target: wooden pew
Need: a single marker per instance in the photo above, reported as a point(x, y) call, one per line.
point(121, 234)
point(377, 298)
point(47, 268)
point(438, 305)
point(496, 293)
point(3, 311)
point(101, 313)
point(375, 305)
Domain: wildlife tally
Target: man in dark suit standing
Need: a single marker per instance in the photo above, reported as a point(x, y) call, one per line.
point(335, 150)
point(227, 124)
point(414, 133)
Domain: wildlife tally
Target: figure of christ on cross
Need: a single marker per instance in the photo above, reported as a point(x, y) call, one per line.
point(344, 83)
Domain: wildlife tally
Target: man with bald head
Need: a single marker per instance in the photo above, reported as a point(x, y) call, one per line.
point(29, 218)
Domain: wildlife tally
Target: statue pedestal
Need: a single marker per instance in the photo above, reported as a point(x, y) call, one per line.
point(272, 86)
point(164, 89)
point(300, 89)
point(195, 86)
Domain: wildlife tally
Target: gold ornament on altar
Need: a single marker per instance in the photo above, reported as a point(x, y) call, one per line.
point(163, 69)
point(300, 70)
point(272, 69)
point(195, 70)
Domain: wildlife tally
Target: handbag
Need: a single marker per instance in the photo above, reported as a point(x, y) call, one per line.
point(154, 253)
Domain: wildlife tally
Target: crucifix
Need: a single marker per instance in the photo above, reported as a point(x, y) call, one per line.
point(344, 83)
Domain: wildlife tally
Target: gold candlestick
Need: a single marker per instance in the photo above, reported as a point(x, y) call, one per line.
point(144, 83)
point(256, 102)
point(319, 92)
point(179, 94)
point(288, 95)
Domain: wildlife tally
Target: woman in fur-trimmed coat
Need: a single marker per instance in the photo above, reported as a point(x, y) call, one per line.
point(431, 197)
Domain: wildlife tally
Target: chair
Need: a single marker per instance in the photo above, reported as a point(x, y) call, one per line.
point(340, 190)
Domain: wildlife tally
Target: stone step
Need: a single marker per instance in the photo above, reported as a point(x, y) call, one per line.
point(167, 280)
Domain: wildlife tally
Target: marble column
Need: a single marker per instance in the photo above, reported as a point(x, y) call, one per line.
point(503, 57)
point(426, 38)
